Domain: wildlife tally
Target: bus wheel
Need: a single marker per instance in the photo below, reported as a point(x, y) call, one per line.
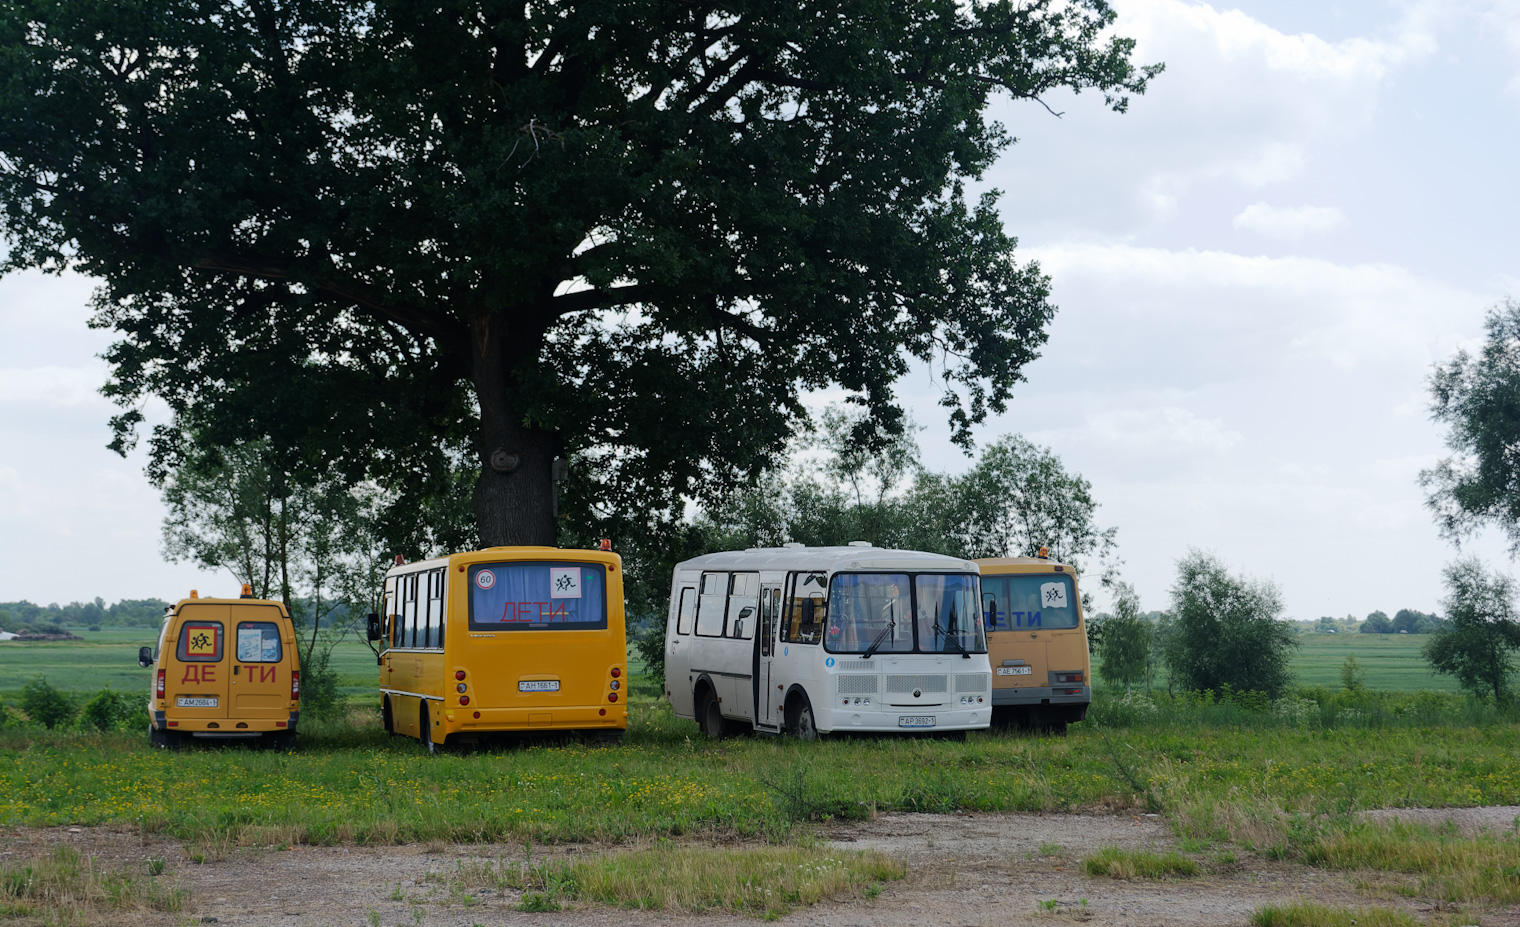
point(805, 728)
point(163, 740)
point(710, 715)
point(386, 720)
point(425, 732)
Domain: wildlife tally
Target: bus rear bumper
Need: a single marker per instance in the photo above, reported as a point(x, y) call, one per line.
point(1042, 695)
point(904, 720)
point(472, 720)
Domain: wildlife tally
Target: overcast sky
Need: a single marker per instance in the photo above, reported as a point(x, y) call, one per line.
point(1256, 268)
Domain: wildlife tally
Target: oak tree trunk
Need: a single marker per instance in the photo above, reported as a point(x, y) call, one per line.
point(514, 495)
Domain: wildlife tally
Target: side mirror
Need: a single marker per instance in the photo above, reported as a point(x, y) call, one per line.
point(989, 608)
point(145, 656)
point(372, 626)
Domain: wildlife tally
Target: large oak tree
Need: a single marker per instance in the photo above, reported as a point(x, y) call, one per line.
point(391, 238)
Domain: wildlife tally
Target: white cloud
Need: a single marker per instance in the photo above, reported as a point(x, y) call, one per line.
point(1290, 223)
point(1169, 429)
point(52, 386)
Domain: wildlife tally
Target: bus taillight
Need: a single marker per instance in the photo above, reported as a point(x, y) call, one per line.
point(616, 672)
point(459, 674)
point(611, 696)
point(295, 685)
point(464, 700)
point(160, 687)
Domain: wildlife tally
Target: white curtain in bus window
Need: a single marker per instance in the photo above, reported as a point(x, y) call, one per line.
point(538, 596)
point(744, 605)
point(870, 609)
point(1030, 600)
point(949, 620)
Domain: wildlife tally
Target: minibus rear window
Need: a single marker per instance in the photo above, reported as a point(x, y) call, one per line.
point(556, 596)
point(258, 642)
point(200, 642)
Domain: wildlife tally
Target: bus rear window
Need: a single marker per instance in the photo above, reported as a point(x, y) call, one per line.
point(1029, 600)
point(200, 642)
point(538, 597)
point(258, 642)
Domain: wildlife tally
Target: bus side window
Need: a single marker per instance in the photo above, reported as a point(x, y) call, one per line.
point(409, 608)
point(388, 609)
point(805, 609)
point(438, 577)
point(711, 604)
point(687, 610)
point(743, 605)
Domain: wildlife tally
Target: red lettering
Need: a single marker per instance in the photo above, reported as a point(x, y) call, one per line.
point(266, 673)
point(208, 674)
point(560, 611)
point(192, 674)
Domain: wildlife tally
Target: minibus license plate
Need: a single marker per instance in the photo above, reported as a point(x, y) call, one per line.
point(538, 685)
point(195, 702)
point(915, 721)
point(1015, 671)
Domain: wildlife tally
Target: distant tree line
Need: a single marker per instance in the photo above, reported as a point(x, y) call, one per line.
point(128, 613)
point(1404, 621)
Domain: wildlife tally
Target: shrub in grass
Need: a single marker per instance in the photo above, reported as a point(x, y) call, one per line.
point(109, 710)
point(66, 886)
point(1482, 868)
point(1314, 914)
point(1140, 864)
point(47, 704)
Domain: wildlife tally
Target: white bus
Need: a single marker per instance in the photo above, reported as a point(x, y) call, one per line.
point(814, 640)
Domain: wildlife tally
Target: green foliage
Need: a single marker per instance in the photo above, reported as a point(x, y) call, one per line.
point(1118, 863)
point(1377, 623)
point(1127, 641)
point(631, 234)
point(1483, 635)
point(1352, 677)
point(319, 679)
point(1227, 631)
point(45, 704)
point(110, 710)
point(142, 613)
point(1478, 399)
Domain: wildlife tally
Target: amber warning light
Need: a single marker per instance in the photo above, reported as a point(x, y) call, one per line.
point(606, 544)
point(247, 591)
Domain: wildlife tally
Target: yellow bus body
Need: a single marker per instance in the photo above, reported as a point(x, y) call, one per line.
point(490, 676)
point(224, 669)
point(1042, 669)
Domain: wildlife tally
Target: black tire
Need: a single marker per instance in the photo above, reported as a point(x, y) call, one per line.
point(710, 715)
point(425, 734)
point(387, 717)
point(805, 727)
point(280, 741)
point(609, 738)
point(164, 740)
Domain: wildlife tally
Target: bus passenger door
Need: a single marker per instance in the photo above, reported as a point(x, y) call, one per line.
point(767, 714)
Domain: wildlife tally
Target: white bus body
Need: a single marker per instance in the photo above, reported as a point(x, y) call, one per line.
point(815, 640)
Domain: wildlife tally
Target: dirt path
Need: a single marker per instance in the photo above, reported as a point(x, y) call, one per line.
point(1000, 870)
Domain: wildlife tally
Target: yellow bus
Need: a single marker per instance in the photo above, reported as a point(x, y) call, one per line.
point(1036, 642)
point(519, 640)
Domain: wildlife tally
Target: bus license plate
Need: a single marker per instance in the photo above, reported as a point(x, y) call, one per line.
point(915, 721)
point(184, 702)
point(538, 685)
point(1015, 671)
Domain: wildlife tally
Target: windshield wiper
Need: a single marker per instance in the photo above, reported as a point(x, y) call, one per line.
point(966, 654)
point(891, 626)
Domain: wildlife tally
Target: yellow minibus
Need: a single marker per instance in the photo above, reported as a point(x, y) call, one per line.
point(504, 640)
point(1036, 642)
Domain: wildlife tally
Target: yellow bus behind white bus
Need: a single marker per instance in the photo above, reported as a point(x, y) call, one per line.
point(1036, 642)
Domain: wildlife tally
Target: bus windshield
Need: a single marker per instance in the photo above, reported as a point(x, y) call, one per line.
point(524, 596)
point(904, 613)
point(1029, 600)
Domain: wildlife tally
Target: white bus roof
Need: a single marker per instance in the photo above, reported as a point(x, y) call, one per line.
point(828, 559)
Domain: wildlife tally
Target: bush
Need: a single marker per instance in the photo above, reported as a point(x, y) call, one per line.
point(1226, 634)
point(1483, 634)
point(42, 702)
point(319, 682)
point(110, 710)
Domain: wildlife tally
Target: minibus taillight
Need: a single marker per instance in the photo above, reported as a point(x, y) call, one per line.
point(295, 685)
point(459, 674)
point(160, 686)
point(616, 672)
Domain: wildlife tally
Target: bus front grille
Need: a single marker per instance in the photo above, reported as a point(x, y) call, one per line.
point(926, 683)
point(971, 682)
point(857, 685)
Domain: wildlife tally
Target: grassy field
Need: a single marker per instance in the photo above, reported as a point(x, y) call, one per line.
point(1389, 662)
